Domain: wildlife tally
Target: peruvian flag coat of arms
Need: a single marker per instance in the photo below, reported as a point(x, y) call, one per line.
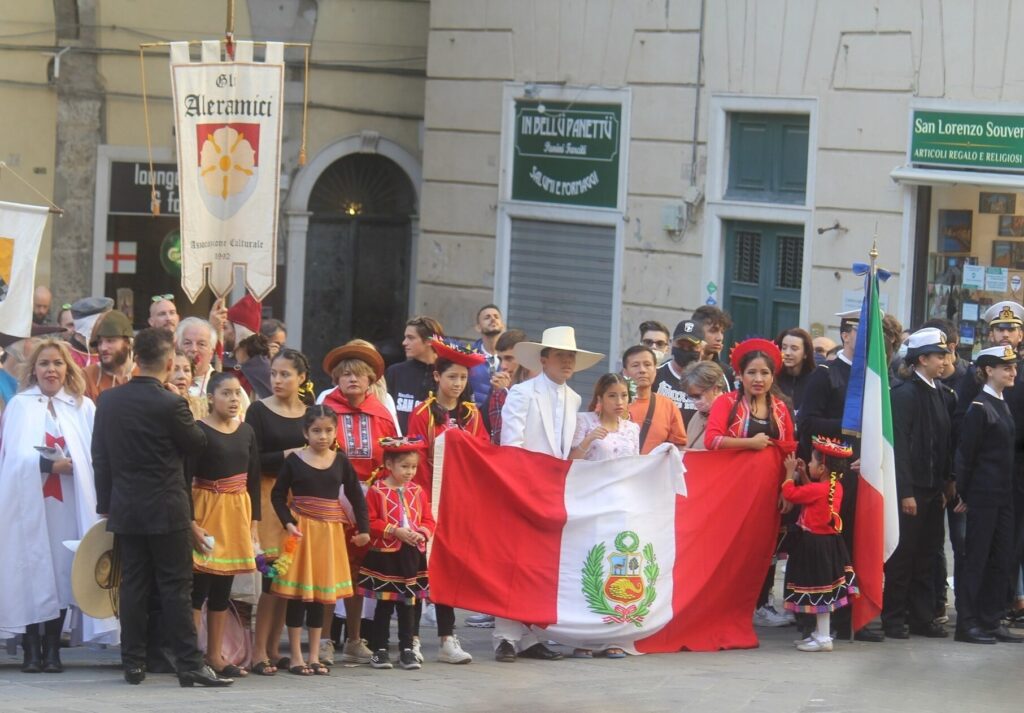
point(228, 127)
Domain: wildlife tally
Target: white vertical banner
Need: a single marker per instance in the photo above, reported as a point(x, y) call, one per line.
point(227, 118)
point(21, 231)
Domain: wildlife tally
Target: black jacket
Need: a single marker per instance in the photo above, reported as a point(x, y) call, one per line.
point(824, 400)
point(921, 424)
point(1014, 396)
point(141, 435)
point(409, 383)
point(984, 459)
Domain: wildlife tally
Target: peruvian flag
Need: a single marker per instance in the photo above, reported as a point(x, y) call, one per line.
point(868, 415)
point(609, 553)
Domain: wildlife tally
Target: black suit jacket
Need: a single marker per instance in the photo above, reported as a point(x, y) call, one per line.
point(141, 435)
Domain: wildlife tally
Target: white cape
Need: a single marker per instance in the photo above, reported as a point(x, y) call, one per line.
point(29, 594)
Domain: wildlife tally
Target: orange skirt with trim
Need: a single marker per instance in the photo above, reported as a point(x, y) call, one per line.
point(226, 516)
point(319, 571)
point(272, 532)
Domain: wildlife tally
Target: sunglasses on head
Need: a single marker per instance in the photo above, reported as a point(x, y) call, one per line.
point(66, 305)
point(161, 298)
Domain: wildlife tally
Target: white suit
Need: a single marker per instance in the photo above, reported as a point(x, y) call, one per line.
point(530, 419)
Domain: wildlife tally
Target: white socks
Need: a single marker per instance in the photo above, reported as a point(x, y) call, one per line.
point(823, 632)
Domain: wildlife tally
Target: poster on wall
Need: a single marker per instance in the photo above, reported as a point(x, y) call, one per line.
point(228, 118)
point(1011, 226)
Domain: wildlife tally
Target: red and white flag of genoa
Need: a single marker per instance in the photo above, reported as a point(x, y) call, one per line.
point(611, 553)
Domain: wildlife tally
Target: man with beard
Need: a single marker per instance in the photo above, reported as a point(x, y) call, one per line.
point(490, 326)
point(113, 340)
point(86, 312)
point(687, 347)
point(1005, 320)
point(162, 312)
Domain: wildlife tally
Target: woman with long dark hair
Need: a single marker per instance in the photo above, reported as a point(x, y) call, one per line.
point(797, 364)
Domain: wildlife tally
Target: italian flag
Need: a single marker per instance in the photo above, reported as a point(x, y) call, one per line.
point(868, 415)
point(612, 553)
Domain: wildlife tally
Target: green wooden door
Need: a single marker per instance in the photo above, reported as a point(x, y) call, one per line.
point(763, 277)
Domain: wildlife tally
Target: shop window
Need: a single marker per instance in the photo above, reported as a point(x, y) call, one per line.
point(768, 157)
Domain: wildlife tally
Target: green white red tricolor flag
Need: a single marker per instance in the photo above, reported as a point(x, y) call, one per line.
point(868, 415)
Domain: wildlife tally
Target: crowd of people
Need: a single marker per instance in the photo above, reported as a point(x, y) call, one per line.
point(225, 479)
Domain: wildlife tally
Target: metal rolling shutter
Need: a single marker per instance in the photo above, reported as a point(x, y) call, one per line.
point(563, 273)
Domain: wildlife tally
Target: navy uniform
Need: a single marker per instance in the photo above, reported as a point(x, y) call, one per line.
point(922, 447)
point(984, 479)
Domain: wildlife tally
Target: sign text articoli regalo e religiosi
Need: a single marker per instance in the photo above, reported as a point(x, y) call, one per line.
point(227, 119)
point(987, 141)
point(567, 153)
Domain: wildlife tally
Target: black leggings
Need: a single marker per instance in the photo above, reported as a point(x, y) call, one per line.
point(382, 624)
point(214, 589)
point(295, 611)
point(445, 618)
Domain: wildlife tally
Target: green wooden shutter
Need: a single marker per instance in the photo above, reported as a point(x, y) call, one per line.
point(768, 157)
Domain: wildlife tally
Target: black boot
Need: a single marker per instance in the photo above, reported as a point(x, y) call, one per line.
point(51, 644)
point(33, 655)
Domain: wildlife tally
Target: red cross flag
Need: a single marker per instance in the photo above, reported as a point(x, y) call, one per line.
point(227, 119)
point(121, 257)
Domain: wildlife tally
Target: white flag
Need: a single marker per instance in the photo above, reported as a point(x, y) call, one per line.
point(227, 118)
point(21, 231)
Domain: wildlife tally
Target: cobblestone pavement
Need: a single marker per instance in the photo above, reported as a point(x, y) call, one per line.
point(915, 675)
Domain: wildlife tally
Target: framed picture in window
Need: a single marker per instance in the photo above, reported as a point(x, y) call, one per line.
point(955, 230)
point(997, 202)
point(1011, 226)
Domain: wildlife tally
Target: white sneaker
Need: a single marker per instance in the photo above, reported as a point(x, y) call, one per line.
point(480, 621)
point(797, 642)
point(451, 651)
point(815, 645)
point(766, 616)
point(326, 652)
point(416, 649)
point(356, 652)
point(429, 617)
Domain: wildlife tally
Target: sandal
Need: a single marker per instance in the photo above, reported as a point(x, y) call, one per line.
point(232, 671)
point(301, 670)
point(582, 654)
point(614, 653)
point(283, 662)
point(264, 668)
point(319, 669)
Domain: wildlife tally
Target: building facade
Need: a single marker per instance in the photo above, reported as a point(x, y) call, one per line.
point(592, 162)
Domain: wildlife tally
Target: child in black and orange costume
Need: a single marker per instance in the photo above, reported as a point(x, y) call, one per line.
point(395, 569)
point(318, 572)
point(819, 577)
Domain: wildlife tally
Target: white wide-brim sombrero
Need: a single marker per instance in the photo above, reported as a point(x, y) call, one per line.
point(95, 573)
point(564, 338)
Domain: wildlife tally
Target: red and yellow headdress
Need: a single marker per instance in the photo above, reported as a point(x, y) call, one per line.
point(832, 447)
point(408, 444)
point(456, 353)
point(757, 344)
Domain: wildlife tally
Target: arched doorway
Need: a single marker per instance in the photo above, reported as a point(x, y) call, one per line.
point(357, 257)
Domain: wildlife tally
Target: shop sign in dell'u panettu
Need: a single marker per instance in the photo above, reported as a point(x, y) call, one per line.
point(227, 119)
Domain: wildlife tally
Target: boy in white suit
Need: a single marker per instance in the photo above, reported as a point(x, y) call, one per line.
point(540, 415)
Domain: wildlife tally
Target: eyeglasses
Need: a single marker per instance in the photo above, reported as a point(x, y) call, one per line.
point(161, 298)
point(654, 343)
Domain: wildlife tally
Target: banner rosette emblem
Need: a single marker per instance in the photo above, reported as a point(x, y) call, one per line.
point(625, 594)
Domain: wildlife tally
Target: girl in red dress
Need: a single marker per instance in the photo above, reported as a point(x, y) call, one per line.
point(451, 407)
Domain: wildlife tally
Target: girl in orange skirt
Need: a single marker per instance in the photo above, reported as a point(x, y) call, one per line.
point(318, 573)
point(225, 479)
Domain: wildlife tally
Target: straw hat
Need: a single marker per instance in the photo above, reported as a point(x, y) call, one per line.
point(363, 353)
point(96, 573)
point(563, 338)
